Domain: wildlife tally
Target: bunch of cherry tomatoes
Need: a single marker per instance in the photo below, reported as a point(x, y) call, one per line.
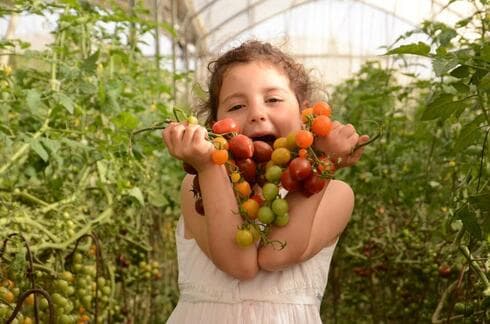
point(258, 169)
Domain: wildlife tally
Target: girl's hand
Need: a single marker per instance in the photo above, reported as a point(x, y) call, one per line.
point(187, 142)
point(340, 144)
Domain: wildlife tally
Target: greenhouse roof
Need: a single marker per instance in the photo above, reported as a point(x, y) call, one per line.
point(334, 37)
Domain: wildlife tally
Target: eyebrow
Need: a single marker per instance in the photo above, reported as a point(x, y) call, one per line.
point(241, 94)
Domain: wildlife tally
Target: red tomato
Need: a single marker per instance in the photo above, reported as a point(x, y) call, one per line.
point(248, 169)
point(300, 169)
point(312, 185)
point(262, 151)
point(288, 182)
point(241, 147)
point(226, 125)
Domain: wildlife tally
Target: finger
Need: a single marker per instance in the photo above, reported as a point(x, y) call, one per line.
point(176, 135)
point(188, 135)
point(353, 139)
point(199, 135)
point(348, 130)
point(363, 139)
point(336, 124)
point(166, 133)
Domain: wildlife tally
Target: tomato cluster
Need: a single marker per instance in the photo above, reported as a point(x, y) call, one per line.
point(258, 169)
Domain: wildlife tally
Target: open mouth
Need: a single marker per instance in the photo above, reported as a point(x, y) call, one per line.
point(269, 139)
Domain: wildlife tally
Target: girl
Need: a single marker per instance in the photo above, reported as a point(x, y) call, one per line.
point(264, 91)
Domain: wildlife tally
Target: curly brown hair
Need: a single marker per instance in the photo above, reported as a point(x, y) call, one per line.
point(248, 52)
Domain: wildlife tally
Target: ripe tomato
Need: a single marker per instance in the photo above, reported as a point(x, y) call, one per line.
point(321, 125)
point(281, 156)
point(243, 189)
point(322, 108)
point(244, 238)
point(226, 125)
point(288, 182)
point(300, 169)
point(250, 207)
point(304, 138)
point(306, 114)
point(258, 199)
point(262, 151)
point(248, 169)
point(220, 143)
point(241, 147)
point(280, 142)
point(219, 157)
point(291, 140)
point(312, 185)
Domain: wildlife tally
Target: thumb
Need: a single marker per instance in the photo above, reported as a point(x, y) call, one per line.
point(363, 139)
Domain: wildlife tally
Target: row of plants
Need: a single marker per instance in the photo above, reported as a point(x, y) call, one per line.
point(417, 247)
point(67, 177)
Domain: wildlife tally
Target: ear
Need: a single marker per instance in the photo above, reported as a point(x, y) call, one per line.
point(304, 104)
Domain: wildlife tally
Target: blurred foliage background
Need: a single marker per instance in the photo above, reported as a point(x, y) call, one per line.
point(416, 249)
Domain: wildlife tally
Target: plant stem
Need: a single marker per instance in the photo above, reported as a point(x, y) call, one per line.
point(86, 229)
point(473, 265)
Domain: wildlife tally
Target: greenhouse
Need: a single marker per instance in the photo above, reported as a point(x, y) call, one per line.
point(327, 161)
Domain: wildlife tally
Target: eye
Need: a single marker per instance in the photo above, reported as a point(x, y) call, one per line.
point(274, 100)
point(235, 107)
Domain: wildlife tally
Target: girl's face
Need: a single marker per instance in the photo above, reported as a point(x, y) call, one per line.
point(258, 97)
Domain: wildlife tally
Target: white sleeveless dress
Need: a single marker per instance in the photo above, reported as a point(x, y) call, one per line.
point(209, 295)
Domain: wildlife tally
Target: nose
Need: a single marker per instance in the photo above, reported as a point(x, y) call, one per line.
point(256, 113)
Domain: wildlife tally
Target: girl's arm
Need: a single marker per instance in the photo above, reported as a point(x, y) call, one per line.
point(214, 232)
point(314, 223)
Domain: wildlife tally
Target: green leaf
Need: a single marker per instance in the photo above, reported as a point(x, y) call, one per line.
point(469, 133)
point(419, 48)
point(469, 221)
point(442, 66)
point(33, 100)
point(157, 198)
point(460, 72)
point(485, 52)
point(442, 106)
point(52, 145)
point(39, 149)
point(65, 101)
point(485, 82)
point(481, 201)
point(136, 193)
point(90, 63)
point(126, 120)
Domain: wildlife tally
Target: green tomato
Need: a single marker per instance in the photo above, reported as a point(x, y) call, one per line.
point(281, 220)
point(280, 206)
point(270, 191)
point(266, 215)
point(273, 173)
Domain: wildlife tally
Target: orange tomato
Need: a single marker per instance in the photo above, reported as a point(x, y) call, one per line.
point(306, 113)
point(251, 207)
point(243, 189)
point(219, 157)
point(321, 125)
point(322, 108)
point(304, 138)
